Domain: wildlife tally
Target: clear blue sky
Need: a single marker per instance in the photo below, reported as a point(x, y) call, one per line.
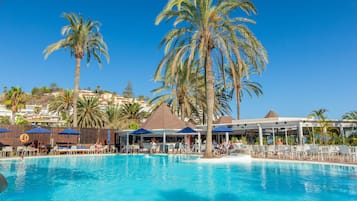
point(312, 47)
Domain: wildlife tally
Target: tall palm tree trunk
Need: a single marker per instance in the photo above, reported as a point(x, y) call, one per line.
point(182, 112)
point(237, 85)
point(181, 105)
point(238, 101)
point(75, 91)
point(13, 117)
point(210, 103)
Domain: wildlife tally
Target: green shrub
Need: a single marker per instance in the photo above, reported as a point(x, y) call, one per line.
point(352, 141)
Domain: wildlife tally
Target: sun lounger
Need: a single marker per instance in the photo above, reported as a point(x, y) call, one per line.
point(7, 151)
point(62, 150)
point(113, 149)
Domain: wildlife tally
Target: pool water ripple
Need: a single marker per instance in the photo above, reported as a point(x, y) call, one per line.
point(162, 177)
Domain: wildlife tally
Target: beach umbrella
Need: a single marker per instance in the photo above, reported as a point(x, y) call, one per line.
point(4, 130)
point(136, 132)
point(69, 131)
point(140, 131)
point(187, 130)
point(40, 130)
point(223, 129)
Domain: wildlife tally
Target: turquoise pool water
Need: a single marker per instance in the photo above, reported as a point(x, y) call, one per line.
point(161, 178)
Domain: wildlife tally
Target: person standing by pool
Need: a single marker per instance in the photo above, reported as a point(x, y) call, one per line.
point(153, 145)
point(177, 147)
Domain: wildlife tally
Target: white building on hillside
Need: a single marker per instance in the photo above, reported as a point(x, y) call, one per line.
point(4, 111)
point(106, 98)
point(38, 114)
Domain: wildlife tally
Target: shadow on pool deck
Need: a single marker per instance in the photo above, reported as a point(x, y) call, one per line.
point(180, 194)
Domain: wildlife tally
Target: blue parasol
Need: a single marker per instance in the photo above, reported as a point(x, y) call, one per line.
point(187, 130)
point(4, 130)
point(69, 131)
point(140, 131)
point(222, 129)
point(38, 130)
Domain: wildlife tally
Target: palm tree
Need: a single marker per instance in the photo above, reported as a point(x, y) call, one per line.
point(62, 104)
point(5, 120)
point(350, 115)
point(89, 113)
point(320, 115)
point(186, 95)
point(222, 100)
point(204, 31)
point(185, 92)
point(15, 99)
point(132, 113)
point(82, 37)
point(242, 85)
point(113, 116)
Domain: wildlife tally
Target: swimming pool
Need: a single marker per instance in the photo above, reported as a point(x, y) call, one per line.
point(162, 177)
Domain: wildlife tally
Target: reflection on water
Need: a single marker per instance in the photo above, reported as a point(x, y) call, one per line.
point(20, 176)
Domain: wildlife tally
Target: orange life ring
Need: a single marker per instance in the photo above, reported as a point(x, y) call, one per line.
point(24, 138)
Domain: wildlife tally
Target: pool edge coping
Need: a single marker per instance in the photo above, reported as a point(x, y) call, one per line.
point(252, 159)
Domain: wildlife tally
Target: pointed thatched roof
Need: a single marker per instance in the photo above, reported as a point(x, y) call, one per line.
point(271, 114)
point(162, 118)
point(224, 120)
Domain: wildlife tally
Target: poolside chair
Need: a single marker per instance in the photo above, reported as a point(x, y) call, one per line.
point(298, 152)
point(73, 149)
point(354, 154)
point(284, 151)
point(270, 151)
point(313, 152)
point(345, 154)
point(7, 151)
point(324, 153)
point(145, 148)
point(114, 149)
point(82, 149)
point(62, 150)
point(20, 151)
point(203, 147)
point(105, 149)
point(92, 149)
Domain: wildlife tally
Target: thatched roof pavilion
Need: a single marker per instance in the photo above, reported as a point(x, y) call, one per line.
point(162, 118)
